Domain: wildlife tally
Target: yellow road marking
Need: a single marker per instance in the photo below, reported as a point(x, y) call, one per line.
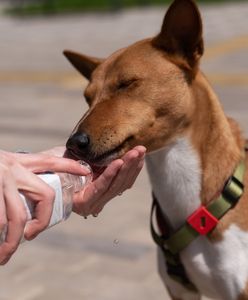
point(230, 46)
point(228, 79)
point(53, 77)
point(34, 76)
point(74, 80)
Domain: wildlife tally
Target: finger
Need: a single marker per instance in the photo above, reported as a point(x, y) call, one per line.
point(121, 181)
point(98, 193)
point(135, 173)
point(133, 168)
point(133, 165)
point(16, 216)
point(40, 194)
point(43, 198)
point(65, 165)
point(39, 163)
point(96, 211)
point(41, 217)
point(141, 150)
point(134, 161)
point(3, 217)
point(104, 182)
point(85, 200)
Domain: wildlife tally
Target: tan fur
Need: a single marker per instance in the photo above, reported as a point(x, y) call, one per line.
point(217, 139)
point(153, 92)
point(163, 109)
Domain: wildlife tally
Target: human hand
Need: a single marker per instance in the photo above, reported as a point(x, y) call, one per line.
point(117, 177)
point(39, 192)
point(16, 174)
point(12, 213)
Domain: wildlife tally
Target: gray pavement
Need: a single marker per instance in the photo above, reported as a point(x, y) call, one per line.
point(112, 256)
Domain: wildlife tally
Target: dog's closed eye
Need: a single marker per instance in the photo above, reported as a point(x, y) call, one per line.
point(124, 84)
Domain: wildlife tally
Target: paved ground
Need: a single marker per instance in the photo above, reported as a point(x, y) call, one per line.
point(111, 257)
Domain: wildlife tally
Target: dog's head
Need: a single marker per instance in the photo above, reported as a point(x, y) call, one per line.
point(140, 95)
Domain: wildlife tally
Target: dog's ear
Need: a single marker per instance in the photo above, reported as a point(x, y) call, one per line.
point(181, 32)
point(84, 64)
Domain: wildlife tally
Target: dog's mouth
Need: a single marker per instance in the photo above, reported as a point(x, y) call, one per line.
point(99, 162)
point(72, 154)
point(105, 158)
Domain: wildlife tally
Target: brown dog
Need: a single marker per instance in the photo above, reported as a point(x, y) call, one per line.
point(152, 93)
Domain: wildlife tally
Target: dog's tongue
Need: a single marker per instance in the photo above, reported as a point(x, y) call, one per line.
point(97, 170)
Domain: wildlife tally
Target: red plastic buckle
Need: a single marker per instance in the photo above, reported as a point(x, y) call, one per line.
point(202, 221)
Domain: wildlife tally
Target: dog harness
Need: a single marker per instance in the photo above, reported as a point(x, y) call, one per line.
point(201, 222)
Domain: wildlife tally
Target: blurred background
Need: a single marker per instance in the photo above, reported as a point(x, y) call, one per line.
point(31, 7)
point(110, 257)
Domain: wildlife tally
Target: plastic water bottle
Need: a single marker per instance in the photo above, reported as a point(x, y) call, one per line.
point(64, 185)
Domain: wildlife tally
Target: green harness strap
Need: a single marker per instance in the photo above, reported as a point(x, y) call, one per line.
point(175, 243)
point(174, 266)
point(218, 208)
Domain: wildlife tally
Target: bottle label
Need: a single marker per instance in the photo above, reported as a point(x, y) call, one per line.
point(58, 210)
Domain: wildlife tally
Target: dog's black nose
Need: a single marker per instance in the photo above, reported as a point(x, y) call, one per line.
point(79, 141)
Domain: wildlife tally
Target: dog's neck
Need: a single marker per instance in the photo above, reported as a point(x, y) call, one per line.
point(175, 176)
point(193, 169)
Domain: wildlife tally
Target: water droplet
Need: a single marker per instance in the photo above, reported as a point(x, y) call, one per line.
point(116, 242)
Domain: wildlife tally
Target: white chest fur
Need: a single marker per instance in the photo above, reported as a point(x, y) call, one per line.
point(220, 270)
point(175, 175)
